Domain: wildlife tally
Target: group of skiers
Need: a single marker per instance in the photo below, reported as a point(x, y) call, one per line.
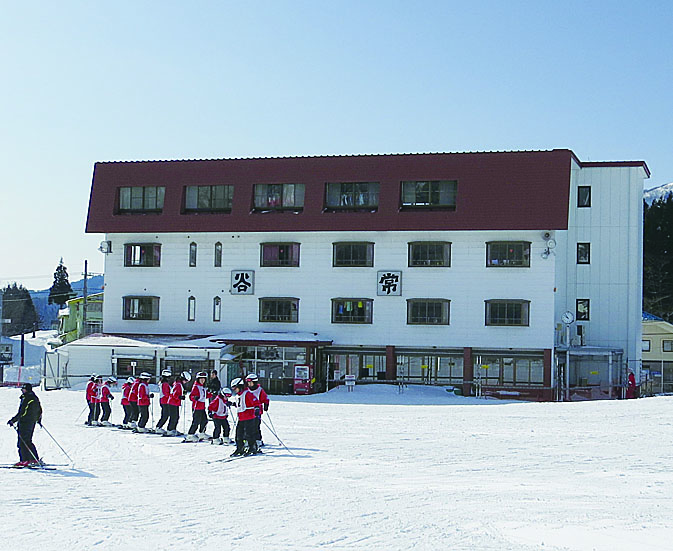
point(208, 399)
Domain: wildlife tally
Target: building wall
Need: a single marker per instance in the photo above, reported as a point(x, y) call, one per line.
point(613, 279)
point(466, 283)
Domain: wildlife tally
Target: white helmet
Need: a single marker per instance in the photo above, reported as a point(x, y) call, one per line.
point(202, 375)
point(252, 377)
point(237, 382)
point(166, 373)
point(225, 391)
point(131, 380)
point(186, 375)
point(112, 380)
point(145, 375)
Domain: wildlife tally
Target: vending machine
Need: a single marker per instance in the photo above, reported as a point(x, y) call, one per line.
point(303, 379)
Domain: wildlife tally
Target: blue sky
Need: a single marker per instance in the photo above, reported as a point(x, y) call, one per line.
point(90, 81)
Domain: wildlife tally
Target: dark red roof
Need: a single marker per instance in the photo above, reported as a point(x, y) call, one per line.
point(497, 190)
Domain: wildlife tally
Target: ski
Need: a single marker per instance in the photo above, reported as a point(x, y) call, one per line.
point(235, 457)
point(33, 468)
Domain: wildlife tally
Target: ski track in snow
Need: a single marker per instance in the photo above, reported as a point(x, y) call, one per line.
point(470, 474)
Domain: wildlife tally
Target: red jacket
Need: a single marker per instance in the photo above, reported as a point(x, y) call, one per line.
point(175, 396)
point(133, 396)
point(90, 391)
point(247, 402)
point(143, 395)
point(198, 397)
point(262, 398)
point(164, 392)
point(219, 407)
point(104, 394)
point(126, 390)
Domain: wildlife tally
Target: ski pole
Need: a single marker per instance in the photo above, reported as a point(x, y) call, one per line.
point(59, 445)
point(279, 440)
point(152, 410)
point(80, 413)
point(270, 420)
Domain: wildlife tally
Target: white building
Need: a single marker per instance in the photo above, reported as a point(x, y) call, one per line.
point(449, 268)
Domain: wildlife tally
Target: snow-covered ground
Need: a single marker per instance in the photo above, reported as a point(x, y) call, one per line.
point(372, 469)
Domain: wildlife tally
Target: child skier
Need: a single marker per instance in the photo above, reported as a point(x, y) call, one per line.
point(133, 403)
point(175, 398)
point(96, 399)
point(126, 391)
point(218, 412)
point(246, 402)
point(144, 398)
point(253, 386)
point(105, 397)
point(164, 392)
point(90, 393)
point(198, 397)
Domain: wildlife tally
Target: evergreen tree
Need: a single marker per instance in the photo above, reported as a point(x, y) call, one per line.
point(658, 259)
point(17, 306)
point(61, 291)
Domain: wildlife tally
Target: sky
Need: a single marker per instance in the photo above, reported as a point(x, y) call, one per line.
point(86, 81)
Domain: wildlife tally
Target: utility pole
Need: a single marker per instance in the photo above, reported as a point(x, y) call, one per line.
point(84, 292)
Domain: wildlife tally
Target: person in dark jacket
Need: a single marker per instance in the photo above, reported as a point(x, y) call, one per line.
point(214, 384)
point(30, 412)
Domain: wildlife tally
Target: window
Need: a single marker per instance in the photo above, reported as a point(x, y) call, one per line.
point(280, 254)
point(140, 308)
point(440, 194)
point(353, 254)
point(208, 198)
point(192, 255)
point(583, 253)
point(352, 196)
point(507, 312)
point(191, 309)
point(429, 253)
point(279, 309)
point(667, 346)
point(352, 310)
point(217, 309)
point(139, 199)
point(427, 311)
point(646, 345)
point(218, 255)
point(279, 197)
point(584, 196)
point(508, 254)
point(582, 309)
point(142, 255)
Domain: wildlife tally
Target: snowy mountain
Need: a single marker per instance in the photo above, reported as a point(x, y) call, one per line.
point(656, 193)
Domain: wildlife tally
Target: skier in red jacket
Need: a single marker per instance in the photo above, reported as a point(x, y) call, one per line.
point(253, 386)
point(218, 412)
point(198, 396)
point(247, 407)
point(126, 392)
point(175, 398)
point(90, 394)
point(105, 397)
point(164, 392)
point(144, 399)
point(133, 403)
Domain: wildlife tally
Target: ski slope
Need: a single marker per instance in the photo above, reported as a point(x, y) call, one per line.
point(372, 469)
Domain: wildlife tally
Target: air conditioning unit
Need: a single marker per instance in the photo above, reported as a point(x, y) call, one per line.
point(105, 247)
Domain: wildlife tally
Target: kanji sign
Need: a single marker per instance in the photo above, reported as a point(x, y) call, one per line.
point(242, 282)
point(389, 284)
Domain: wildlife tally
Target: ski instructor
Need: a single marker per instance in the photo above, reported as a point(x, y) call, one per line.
point(30, 412)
